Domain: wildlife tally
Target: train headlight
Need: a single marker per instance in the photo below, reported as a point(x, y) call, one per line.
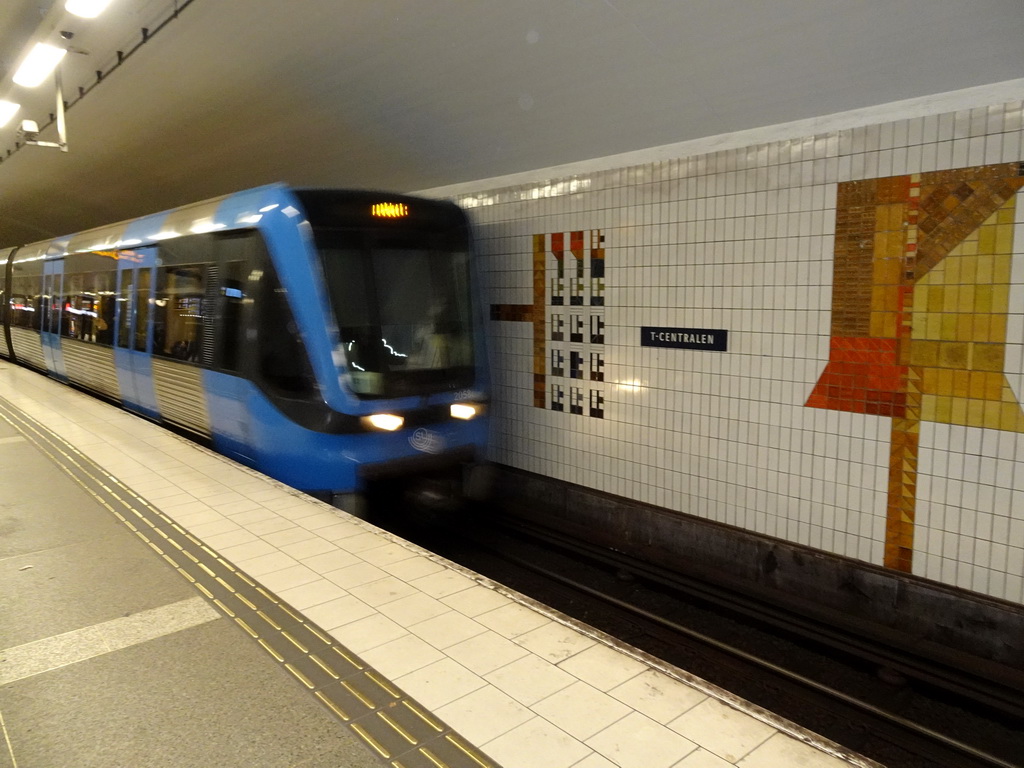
point(387, 422)
point(465, 411)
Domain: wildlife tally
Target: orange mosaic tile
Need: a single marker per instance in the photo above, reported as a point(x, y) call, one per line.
point(919, 313)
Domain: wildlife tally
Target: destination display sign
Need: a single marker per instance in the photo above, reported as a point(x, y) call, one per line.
point(710, 339)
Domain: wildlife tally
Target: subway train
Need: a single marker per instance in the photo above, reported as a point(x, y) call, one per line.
point(331, 339)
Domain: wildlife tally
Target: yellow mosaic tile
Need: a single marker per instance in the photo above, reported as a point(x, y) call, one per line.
point(886, 272)
point(992, 417)
point(961, 383)
point(925, 353)
point(939, 274)
point(929, 408)
point(1011, 418)
point(987, 239)
point(952, 354)
point(884, 324)
point(997, 329)
point(958, 414)
point(975, 413)
point(988, 357)
point(1001, 298)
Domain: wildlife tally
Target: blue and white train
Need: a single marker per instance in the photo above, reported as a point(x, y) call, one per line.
point(327, 338)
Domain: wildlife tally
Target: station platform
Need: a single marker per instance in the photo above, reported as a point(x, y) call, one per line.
point(161, 605)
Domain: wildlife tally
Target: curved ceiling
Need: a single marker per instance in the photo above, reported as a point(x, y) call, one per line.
point(413, 94)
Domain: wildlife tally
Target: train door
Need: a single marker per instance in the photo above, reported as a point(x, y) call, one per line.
point(6, 299)
point(229, 294)
point(133, 337)
point(53, 291)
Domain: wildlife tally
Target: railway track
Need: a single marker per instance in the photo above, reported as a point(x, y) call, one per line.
point(902, 711)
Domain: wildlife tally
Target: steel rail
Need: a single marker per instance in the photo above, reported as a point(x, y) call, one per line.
point(923, 732)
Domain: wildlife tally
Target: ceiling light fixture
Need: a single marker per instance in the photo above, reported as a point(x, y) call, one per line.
point(39, 63)
point(87, 9)
point(8, 109)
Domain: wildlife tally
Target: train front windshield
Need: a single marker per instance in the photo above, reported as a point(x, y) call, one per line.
point(402, 303)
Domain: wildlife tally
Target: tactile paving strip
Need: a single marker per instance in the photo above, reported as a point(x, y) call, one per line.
point(401, 731)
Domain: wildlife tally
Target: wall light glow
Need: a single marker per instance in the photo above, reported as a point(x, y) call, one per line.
point(629, 386)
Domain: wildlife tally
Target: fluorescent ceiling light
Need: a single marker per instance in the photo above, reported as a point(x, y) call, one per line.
point(8, 109)
point(39, 63)
point(87, 9)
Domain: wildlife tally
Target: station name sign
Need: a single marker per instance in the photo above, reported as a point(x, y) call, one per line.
point(714, 340)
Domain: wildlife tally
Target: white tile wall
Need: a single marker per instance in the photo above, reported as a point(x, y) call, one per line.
point(742, 239)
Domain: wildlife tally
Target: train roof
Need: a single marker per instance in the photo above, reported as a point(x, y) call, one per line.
point(209, 215)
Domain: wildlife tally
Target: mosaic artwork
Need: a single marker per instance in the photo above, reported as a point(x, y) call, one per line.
point(567, 315)
point(919, 315)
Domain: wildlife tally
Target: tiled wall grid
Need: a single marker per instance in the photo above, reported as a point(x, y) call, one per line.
point(872, 284)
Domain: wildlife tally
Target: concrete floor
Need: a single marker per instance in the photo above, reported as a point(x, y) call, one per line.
point(110, 659)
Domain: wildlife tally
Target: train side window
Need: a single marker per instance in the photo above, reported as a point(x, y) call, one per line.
point(221, 297)
point(90, 284)
point(77, 307)
point(89, 307)
point(25, 303)
point(52, 302)
point(125, 300)
point(190, 249)
point(283, 361)
point(142, 291)
point(179, 311)
point(103, 305)
point(233, 297)
point(238, 254)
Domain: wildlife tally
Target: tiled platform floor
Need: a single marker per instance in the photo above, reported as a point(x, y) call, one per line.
point(522, 684)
